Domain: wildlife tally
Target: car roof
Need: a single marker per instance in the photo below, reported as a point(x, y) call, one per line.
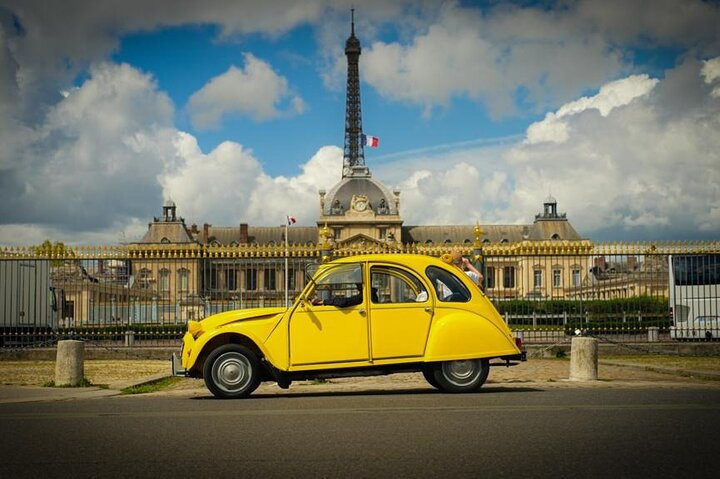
point(412, 260)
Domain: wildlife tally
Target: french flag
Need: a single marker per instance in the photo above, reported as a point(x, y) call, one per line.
point(291, 220)
point(371, 141)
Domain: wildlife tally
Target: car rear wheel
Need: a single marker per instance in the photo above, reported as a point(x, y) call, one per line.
point(231, 372)
point(461, 376)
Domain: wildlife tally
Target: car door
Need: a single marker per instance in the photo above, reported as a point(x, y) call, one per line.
point(320, 335)
point(400, 313)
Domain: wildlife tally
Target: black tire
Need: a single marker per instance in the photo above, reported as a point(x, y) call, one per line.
point(429, 375)
point(461, 376)
point(231, 371)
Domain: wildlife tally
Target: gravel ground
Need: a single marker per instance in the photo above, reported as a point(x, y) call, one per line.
point(549, 372)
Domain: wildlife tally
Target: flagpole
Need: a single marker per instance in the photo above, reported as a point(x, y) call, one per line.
point(287, 221)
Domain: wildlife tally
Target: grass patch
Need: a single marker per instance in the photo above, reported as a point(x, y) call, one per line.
point(152, 386)
point(84, 383)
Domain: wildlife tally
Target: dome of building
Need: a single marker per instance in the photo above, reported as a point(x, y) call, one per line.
point(380, 198)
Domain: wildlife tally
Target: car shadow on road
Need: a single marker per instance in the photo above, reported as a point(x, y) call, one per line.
point(378, 392)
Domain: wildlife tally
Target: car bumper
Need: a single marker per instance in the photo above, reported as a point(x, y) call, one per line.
point(515, 357)
point(177, 369)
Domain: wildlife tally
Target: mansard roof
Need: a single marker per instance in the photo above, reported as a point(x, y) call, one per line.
point(457, 234)
point(167, 232)
point(228, 235)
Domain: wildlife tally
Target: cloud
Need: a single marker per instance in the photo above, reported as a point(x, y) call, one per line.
point(640, 155)
point(78, 169)
point(256, 91)
point(612, 95)
point(711, 73)
point(106, 157)
point(649, 163)
point(508, 57)
point(535, 57)
point(228, 186)
point(274, 198)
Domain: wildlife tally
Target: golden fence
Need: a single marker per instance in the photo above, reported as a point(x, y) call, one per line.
point(193, 251)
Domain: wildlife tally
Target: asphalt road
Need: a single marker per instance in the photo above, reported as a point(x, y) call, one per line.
point(499, 432)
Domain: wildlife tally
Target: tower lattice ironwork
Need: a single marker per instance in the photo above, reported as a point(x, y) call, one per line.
point(354, 153)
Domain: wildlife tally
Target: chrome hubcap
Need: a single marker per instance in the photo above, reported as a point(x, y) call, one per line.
point(460, 372)
point(232, 372)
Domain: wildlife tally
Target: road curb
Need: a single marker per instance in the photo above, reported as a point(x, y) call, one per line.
point(694, 373)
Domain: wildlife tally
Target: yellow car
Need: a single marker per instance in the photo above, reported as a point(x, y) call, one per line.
point(358, 316)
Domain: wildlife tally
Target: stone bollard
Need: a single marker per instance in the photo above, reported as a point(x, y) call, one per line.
point(653, 334)
point(129, 338)
point(70, 363)
point(583, 359)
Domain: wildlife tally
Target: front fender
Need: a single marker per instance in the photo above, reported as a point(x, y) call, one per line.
point(254, 330)
point(459, 335)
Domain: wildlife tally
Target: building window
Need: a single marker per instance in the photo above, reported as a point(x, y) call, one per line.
point(509, 277)
point(183, 278)
point(231, 279)
point(537, 278)
point(291, 279)
point(383, 233)
point(145, 276)
point(251, 279)
point(164, 282)
point(213, 276)
point(557, 278)
point(576, 277)
point(336, 233)
point(490, 277)
point(269, 280)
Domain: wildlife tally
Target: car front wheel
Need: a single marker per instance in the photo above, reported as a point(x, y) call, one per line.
point(461, 376)
point(231, 372)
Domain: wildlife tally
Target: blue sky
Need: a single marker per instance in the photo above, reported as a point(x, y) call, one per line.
point(235, 111)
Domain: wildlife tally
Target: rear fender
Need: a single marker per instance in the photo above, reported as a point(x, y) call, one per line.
point(461, 336)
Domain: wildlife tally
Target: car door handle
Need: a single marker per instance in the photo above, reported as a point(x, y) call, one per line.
point(428, 309)
point(361, 311)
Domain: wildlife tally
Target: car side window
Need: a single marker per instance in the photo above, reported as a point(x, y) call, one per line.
point(447, 286)
point(395, 285)
point(343, 281)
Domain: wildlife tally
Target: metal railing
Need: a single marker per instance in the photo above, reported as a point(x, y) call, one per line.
point(144, 296)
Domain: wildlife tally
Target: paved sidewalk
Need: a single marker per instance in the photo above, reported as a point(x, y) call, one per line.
point(533, 374)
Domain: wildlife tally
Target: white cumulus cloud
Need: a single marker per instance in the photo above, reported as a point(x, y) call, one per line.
point(652, 160)
point(612, 95)
point(257, 91)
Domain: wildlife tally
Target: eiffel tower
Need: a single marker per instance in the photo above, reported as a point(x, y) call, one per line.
point(354, 153)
